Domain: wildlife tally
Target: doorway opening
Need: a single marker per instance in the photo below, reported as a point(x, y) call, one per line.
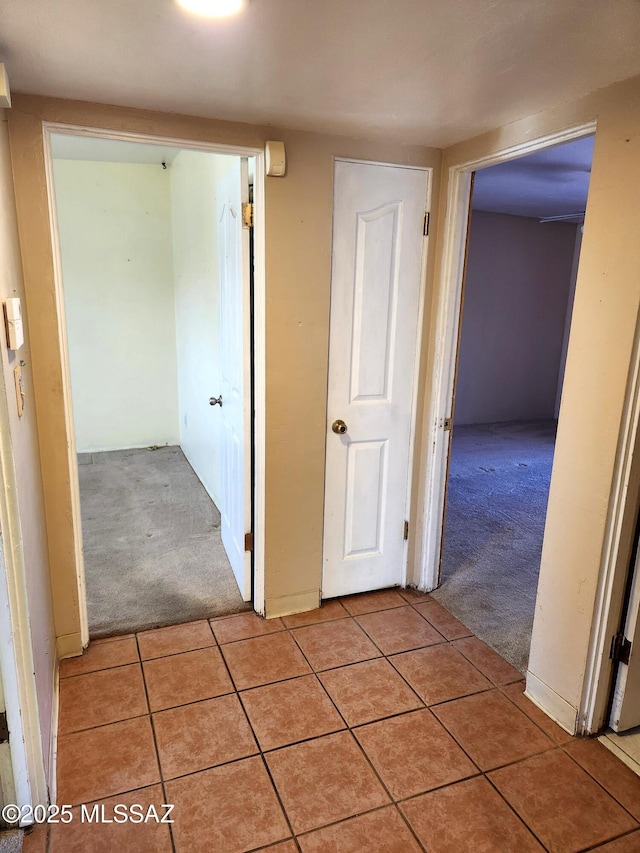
point(156, 263)
point(521, 261)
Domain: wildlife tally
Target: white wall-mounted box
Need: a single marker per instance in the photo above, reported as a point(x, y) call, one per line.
point(13, 323)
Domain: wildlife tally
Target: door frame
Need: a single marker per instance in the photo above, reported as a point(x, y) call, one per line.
point(418, 348)
point(448, 313)
point(623, 509)
point(258, 344)
point(22, 766)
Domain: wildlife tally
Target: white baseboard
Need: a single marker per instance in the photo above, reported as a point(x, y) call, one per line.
point(554, 706)
point(69, 645)
point(286, 605)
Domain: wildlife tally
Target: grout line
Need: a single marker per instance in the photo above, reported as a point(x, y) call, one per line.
point(157, 751)
point(601, 845)
point(103, 725)
point(101, 669)
point(512, 809)
point(351, 729)
point(598, 782)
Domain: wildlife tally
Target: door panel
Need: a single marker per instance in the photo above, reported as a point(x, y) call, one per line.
point(235, 367)
point(375, 293)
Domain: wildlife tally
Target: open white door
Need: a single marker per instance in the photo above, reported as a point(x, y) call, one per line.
point(378, 242)
point(625, 707)
point(234, 265)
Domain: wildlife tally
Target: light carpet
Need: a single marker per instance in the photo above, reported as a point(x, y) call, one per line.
point(152, 546)
point(496, 506)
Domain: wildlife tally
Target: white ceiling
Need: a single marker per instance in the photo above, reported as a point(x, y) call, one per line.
point(553, 182)
point(422, 71)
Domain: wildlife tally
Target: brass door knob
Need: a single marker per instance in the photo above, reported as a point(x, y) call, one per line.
point(339, 427)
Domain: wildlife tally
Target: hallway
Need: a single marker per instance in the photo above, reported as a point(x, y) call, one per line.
point(377, 723)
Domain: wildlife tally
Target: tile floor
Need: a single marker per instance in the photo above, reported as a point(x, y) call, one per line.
point(377, 723)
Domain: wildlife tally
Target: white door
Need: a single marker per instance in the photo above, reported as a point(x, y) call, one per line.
point(235, 369)
point(625, 708)
point(378, 242)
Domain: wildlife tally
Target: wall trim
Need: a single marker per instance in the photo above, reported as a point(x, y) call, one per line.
point(564, 714)
point(288, 604)
point(16, 651)
point(53, 752)
point(615, 568)
point(70, 645)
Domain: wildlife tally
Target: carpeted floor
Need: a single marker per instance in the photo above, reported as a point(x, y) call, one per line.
point(152, 548)
point(496, 506)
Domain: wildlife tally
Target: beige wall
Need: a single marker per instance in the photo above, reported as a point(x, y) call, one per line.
point(114, 224)
point(515, 302)
point(298, 268)
point(602, 338)
point(32, 546)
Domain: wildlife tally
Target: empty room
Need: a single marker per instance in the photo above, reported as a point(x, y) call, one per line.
point(153, 296)
point(522, 257)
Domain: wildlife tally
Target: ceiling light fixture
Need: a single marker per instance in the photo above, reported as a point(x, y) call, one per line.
point(213, 8)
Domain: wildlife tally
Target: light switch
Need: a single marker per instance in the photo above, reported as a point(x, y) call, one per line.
point(13, 322)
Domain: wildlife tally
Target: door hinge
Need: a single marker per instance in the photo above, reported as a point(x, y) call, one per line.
point(4, 728)
point(446, 424)
point(248, 541)
point(425, 228)
point(247, 215)
point(406, 530)
point(620, 649)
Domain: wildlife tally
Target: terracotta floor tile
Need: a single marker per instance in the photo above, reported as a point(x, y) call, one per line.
point(263, 660)
point(367, 602)
point(369, 691)
point(626, 844)
point(175, 639)
point(332, 644)
point(229, 809)
point(488, 662)
point(282, 847)
point(515, 692)
point(440, 618)
point(414, 753)
point(468, 817)
point(101, 762)
point(184, 678)
point(491, 730)
point(36, 839)
point(101, 656)
point(80, 836)
point(203, 734)
point(440, 673)
point(561, 803)
point(328, 611)
point(289, 711)
point(619, 780)
point(243, 626)
point(399, 630)
point(324, 780)
point(101, 697)
point(414, 596)
point(382, 831)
